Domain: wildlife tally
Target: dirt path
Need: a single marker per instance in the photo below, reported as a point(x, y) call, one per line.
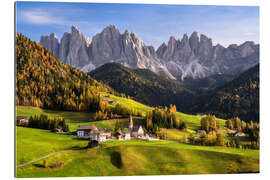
point(43, 157)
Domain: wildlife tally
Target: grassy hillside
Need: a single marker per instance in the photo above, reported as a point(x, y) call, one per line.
point(81, 118)
point(127, 158)
point(73, 119)
point(203, 85)
point(78, 118)
point(34, 143)
point(239, 98)
point(144, 85)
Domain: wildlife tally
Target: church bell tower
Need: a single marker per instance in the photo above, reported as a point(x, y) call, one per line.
point(130, 127)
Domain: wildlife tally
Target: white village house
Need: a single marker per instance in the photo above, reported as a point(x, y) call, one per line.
point(100, 135)
point(123, 135)
point(93, 133)
point(83, 131)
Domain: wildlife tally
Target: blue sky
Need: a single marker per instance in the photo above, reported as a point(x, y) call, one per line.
point(153, 23)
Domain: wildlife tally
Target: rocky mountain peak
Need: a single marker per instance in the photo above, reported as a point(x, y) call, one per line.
point(193, 56)
point(51, 42)
point(205, 48)
point(194, 35)
point(110, 29)
point(171, 44)
point(247, 48)
point(185, 38)
point(72, 49)
point(161, 50)
point(194, 42)
point(74, 29)
point(53, 36)
point(232, 46)
point(205, 39)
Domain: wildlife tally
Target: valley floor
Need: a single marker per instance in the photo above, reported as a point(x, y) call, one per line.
point(121, 158)
point(134, 157)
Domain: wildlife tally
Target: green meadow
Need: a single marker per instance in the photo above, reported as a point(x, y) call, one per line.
point(114, 158)
point(134, 157)
point(74, 119)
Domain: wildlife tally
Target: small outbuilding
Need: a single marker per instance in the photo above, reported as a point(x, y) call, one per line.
point(239, 134)
point(22, 120)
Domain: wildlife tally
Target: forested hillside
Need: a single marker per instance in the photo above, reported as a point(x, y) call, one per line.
point(43, 81)
point(202, 86)
point(144, 85)
point(239, 98)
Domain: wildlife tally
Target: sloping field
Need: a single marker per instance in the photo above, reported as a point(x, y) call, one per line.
point(74, 119)
point(193, 121)
point(133, 157)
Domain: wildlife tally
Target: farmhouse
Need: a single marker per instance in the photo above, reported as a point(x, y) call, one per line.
point(84, 131)
point(123, 135)
point(103, 135)
point(22, 120)
point(94, 133)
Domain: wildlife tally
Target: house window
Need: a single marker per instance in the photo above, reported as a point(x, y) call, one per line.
point(80, 133)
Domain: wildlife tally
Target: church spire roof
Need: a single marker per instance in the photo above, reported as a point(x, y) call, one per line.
point(130, 126)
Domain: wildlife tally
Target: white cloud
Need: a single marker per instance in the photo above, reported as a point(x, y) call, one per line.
point(40, 17)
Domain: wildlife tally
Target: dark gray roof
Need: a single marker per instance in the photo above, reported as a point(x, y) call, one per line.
point(135, 128)
point(83, 127)
point(87, 127)
point(21, 117)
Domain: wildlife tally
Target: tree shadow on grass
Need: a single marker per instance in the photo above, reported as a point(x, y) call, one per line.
point(116, 159)
point(39, 165)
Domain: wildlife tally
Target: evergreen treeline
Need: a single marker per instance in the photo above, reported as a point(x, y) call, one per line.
point(47, 122)
point(43, 81)
point(239, 98)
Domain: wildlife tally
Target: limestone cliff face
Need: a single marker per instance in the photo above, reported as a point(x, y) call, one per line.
point(188, 57)
point(51, 43)
point(196, 57)
point(108, 46)
point(72, 49)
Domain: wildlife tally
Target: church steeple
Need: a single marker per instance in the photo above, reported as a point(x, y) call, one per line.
point(130, 126)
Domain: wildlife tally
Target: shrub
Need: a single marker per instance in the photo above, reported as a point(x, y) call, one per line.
point(220, 140)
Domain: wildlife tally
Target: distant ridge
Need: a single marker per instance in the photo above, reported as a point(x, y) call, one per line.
point(239, 97)
point(190, 57)
point(144, 85)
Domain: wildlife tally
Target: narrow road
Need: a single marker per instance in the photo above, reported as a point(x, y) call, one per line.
point(43, 157)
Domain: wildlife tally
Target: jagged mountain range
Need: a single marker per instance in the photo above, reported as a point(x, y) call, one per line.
point(191, 57)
